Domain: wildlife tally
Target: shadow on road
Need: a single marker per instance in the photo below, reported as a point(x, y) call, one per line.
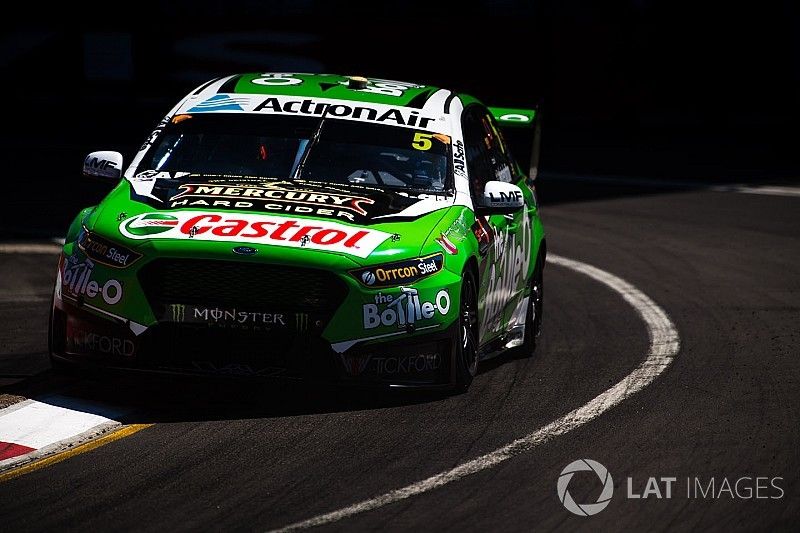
point(153, 398)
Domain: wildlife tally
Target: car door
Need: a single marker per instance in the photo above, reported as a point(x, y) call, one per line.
point(492, 231)
point(516, 263)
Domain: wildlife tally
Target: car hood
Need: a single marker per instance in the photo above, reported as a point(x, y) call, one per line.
point(278, 221)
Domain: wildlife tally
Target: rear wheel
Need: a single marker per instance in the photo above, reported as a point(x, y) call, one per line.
point(467, 349)
point(533, 317)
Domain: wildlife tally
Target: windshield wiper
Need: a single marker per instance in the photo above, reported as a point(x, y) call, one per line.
point(298, 172)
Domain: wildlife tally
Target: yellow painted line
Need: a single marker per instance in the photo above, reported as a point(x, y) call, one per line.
point(72, 452)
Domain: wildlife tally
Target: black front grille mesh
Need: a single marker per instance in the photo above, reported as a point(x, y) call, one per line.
point(246, 285)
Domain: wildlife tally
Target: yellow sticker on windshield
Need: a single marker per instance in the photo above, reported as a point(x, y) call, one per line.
point(177, 119)
point(422, 141)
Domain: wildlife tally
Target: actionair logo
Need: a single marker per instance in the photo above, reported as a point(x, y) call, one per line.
point(219, 102)
point(585, 509)
point(149, 224)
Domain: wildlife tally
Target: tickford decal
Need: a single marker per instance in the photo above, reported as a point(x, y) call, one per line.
point(258, 229)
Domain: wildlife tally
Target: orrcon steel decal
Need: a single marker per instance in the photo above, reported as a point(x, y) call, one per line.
point(106, 252)
point(399, 272)
point(255, 229)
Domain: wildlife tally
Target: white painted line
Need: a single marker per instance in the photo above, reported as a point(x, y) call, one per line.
point(640, 182)
point(29, 248)
point(770, 190)
point(23, 298)
point(664, 345)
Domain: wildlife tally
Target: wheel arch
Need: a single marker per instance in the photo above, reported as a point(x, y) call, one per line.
point(471, 266)
point(542, 251)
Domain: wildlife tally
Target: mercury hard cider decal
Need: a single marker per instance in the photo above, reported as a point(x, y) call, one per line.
point(283, 196)
point(399, 272)
point(256, 229)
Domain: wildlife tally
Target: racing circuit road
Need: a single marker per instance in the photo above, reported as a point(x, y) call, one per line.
point(724, 266)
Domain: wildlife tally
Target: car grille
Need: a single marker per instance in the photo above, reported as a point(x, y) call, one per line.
point(305, 298)
point(247, 285)
point(204, 350)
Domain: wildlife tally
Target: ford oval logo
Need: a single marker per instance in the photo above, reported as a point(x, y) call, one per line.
point(245, 250)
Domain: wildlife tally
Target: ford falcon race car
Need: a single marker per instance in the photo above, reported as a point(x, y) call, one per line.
point(313, 226)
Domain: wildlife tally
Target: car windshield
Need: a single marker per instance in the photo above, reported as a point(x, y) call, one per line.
point(325, 150)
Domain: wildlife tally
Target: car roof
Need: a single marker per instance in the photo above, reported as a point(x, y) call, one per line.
point(373, 100)
point(331, 86)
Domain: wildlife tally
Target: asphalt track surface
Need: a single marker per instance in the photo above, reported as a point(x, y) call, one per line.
point(724, 266)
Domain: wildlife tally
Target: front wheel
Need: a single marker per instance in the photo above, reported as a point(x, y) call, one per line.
point(467, 349)
point(54, 340)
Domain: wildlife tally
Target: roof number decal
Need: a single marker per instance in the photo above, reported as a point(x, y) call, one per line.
point(269, 78)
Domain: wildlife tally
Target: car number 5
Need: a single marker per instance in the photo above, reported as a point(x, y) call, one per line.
point(422, 141)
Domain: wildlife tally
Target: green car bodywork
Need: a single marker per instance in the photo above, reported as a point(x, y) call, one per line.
point(393, 282)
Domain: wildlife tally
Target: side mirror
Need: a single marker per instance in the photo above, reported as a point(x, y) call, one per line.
point(500, 198)
point(105, 165)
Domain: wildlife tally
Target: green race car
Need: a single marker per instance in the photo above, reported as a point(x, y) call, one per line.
point(309, 226)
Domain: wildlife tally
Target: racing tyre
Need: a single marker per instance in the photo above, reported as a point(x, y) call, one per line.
point(534, 313)
point(58, 366)
point(467, 350)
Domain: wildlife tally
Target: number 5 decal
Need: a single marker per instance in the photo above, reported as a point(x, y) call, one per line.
point(422, 141)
